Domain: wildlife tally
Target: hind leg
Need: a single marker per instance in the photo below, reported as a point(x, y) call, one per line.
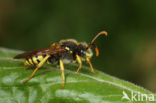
point(37, 67)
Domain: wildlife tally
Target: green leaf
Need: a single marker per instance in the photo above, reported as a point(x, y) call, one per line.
point(45, 86)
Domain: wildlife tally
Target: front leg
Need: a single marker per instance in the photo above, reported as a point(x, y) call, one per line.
point(91, 67)
point(80, 63)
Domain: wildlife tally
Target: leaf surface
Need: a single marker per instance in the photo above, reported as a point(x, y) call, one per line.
point(45, 86)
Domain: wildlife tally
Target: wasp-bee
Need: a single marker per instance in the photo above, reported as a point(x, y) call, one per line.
point(68, 49)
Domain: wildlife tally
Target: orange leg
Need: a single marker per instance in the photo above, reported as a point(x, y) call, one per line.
point(37, 67)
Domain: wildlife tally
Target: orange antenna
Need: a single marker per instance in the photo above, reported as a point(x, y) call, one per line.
point(92, 42)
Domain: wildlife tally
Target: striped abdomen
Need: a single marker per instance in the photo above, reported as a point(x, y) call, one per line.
point(33, 60)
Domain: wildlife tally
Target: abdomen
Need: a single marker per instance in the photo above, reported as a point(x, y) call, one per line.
point(34, 60)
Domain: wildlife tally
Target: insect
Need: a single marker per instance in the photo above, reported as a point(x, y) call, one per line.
point(68, 49)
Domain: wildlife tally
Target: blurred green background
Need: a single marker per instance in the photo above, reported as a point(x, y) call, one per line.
point(129, 52)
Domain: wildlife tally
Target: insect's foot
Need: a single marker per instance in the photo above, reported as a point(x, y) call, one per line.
point(77, 73)
point(24, 81)
point(96, 71)
point(63, 86)
point(93, 72)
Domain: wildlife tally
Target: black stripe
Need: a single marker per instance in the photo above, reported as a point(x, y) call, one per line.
point(37, 59)
point(32, 61)
point(28, 61)
point(44, 55)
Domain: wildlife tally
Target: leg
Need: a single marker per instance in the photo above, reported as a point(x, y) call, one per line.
point(91, 67)
point(80, 63)
point(62, 72)
point(37, 67)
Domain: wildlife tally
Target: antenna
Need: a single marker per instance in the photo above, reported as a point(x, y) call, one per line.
point(92, 42)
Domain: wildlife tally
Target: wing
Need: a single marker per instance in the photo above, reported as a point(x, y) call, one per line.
point(54, 49)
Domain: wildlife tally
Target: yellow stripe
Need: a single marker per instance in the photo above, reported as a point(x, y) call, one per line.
point(26, 63)
point(30, 61)
point(35, 60)
point(40, 58)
